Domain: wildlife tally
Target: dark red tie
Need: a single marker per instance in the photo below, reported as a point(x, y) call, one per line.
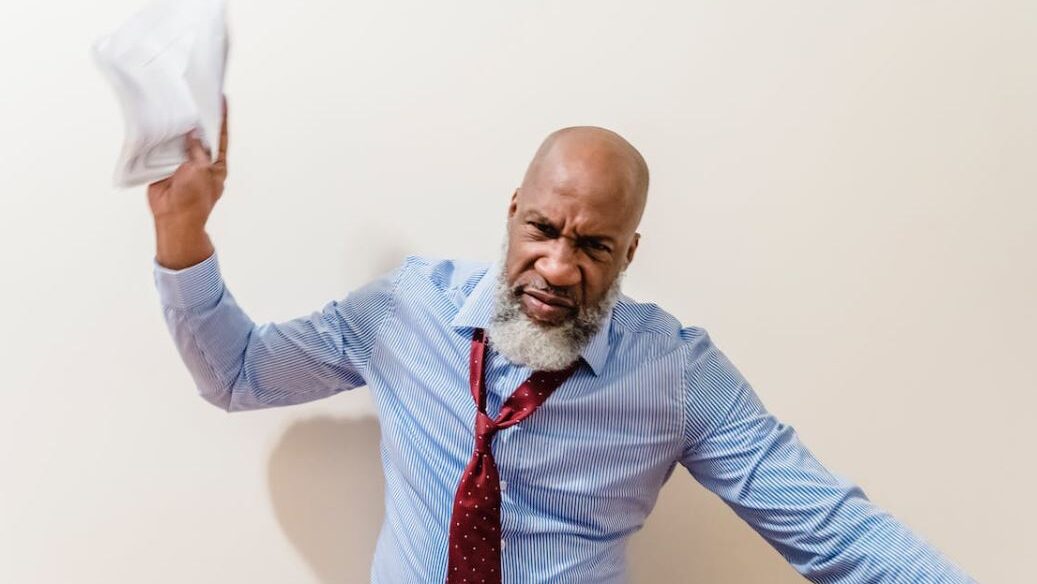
point(475, 553)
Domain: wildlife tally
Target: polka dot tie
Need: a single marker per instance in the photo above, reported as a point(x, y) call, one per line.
point(475, 541)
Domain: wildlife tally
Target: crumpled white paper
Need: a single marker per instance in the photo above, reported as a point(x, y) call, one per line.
point(167, 65)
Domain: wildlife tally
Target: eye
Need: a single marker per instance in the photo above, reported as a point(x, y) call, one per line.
point(596, 246)
point(544, 228)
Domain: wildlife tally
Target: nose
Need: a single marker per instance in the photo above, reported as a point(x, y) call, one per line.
point(558, 264)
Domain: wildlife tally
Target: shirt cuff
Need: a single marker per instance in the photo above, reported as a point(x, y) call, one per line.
point(190, 287)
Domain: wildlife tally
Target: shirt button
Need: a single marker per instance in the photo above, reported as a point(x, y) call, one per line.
point(504, 485)
point(503, 544)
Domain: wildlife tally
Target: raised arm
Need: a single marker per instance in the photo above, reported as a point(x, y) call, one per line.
point(237, 364)
point(822, 524)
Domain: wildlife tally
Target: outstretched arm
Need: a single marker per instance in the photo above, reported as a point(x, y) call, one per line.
point(822, 524)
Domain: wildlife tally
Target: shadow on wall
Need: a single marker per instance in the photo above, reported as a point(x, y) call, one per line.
point(325, 480)
point(326, 485)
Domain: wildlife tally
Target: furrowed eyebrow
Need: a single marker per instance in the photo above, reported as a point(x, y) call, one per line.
point(538, 218)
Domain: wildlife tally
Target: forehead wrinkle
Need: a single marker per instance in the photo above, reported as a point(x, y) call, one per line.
point(592, 165)
point(576, 183)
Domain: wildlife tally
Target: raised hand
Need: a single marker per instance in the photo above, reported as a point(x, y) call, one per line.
point(189, 195)
point(182, 203)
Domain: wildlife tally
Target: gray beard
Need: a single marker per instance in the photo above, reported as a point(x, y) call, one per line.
point(522, 341)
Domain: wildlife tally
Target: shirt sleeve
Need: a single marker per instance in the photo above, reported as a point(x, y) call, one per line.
point(239, 365)
point(821, 523)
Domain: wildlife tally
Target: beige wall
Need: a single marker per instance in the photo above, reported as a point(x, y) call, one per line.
point(843, 196)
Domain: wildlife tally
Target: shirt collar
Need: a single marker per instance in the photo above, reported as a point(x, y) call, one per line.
point(477, 311)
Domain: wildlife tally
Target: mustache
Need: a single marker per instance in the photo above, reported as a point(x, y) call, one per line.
point(540, 285)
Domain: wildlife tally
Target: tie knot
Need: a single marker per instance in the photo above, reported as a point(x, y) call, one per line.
point(485, 428)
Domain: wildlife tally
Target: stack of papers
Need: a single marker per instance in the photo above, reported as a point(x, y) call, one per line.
point(167, 66)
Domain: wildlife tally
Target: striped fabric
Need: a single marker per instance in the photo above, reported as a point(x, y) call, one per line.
point(580, 475)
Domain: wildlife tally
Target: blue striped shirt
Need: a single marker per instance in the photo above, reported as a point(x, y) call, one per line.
point(577, 477)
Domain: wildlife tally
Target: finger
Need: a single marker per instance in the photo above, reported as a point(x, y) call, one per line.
point(221, 156)
point(195, 150)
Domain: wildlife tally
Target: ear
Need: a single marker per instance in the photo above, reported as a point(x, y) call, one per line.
point(514, 204)
point(633, 248)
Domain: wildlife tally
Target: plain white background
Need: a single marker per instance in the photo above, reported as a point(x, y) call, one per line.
point(843, 195)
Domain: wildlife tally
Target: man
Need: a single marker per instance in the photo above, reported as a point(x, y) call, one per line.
point(530, 413)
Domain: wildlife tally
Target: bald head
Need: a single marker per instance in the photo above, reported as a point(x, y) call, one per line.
point(590, 159)
point(572, 225)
